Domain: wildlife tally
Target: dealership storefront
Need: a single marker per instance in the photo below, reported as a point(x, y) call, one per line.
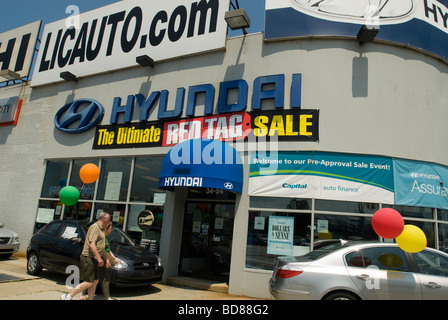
point(241, 149)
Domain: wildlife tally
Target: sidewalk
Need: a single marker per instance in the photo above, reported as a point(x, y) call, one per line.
point(16, 284)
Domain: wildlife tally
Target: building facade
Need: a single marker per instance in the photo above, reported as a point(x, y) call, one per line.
point(325, 132)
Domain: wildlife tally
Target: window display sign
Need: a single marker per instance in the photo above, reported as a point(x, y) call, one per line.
point(113, 186)
point(421, 184)
point(281, 235)
point(417, 23)
point(322, 175)
point(45, 215)
point(112, 37)
point(17, 48)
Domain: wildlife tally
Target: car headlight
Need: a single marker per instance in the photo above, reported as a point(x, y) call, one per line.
point(121, 264)
point(15, 240)
point(159, 261)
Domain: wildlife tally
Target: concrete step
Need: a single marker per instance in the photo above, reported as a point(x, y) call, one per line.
point(201, 284)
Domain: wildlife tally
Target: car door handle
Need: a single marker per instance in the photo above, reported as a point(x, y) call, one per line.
point(363, 276)
point(433, 285)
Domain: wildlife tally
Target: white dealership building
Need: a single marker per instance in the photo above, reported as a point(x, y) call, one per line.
point(315, 124)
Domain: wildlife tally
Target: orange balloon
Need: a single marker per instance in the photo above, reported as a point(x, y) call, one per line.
point(89, 173)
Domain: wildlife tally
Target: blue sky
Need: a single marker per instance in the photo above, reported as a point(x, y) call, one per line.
point(17, 13)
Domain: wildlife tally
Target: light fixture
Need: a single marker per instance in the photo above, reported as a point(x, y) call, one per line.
point(68, 76)
point(145, 61)
point(9, 75)
point(367, 34)
point(237, 19)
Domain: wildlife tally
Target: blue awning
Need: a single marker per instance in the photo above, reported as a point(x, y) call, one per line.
point(202, 163)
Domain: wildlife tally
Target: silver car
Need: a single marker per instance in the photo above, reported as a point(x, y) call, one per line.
point(370, 271)
point(9, 242)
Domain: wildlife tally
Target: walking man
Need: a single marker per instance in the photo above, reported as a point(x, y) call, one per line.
point(93, 256)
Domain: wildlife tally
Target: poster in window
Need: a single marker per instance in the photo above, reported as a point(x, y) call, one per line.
point(280, 235)
point(113, 186)
point(45, 215)
point(259, 223)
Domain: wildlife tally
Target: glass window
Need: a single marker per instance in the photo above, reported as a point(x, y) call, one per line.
point(51, 229)
point(355, 259)
point(386, 258)
point(55, 178)
point(346, 206)
point(431, 263)
point(70, 231)
point(87, 190)
point(442, 215)
point(80, 211)
point(328, 226)
point(413, 212)
point(147, 235)
point(48, 211)
point(280, 203)
point(114, 179)
point(145, 185)
point(443, 237)
point(116, 211)
point(258, 236)
point(120, 237)
point(323, 250)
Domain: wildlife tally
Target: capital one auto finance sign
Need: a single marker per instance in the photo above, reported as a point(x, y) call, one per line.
point(110, 38)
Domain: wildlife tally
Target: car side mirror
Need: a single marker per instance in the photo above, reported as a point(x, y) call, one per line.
point(1, 225)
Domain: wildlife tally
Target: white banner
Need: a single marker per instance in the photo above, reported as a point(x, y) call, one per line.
point(110, 38)
point(322, 175)
point(309, 186)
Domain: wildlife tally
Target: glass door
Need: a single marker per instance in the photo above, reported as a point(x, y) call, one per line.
point(207, 239)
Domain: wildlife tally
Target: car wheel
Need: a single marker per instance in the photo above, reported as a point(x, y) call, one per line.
point(33, 266)
point(341, 296)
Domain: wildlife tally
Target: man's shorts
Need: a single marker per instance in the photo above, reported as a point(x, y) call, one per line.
point(89, 269)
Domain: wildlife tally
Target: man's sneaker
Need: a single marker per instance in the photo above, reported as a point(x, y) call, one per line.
point(66, 297)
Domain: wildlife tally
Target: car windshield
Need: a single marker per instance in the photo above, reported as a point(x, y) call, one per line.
point(323, 251)
point(119, 237)
point(116, 236)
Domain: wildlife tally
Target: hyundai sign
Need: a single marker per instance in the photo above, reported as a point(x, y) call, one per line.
point(79, 116)
point(112, 37)
point(422, 24)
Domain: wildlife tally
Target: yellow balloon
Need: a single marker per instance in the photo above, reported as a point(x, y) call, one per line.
point(412, 239)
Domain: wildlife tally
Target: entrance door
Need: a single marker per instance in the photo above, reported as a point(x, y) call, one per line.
point(207, 239)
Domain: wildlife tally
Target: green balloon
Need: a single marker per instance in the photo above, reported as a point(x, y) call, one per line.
point(69, 195)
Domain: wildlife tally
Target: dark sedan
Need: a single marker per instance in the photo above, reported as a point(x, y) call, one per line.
point(59, 244)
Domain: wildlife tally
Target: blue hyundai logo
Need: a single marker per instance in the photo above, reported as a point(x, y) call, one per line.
point(79, 116)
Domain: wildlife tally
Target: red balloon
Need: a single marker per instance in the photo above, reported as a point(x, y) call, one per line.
point(388, 223)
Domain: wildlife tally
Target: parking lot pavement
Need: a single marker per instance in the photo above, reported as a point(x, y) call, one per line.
point(16, 284)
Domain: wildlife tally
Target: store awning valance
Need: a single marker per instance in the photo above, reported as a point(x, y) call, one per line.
point(202, 163)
